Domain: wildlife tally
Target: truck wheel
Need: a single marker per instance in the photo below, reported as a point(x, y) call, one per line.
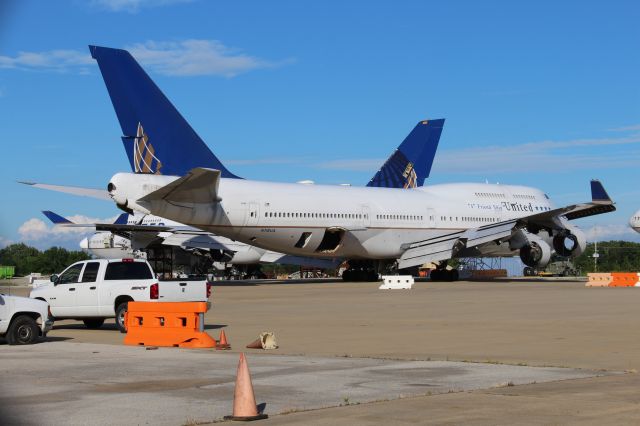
point(22, 331)
point(93, 322)
point(120, 311)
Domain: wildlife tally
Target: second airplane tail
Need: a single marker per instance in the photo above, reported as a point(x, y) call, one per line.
point(411, 163)
point(157, 138)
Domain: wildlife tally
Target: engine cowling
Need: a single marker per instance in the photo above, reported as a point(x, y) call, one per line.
point(536, 253)
point(570, 244)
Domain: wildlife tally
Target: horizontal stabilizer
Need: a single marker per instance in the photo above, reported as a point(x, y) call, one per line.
point(100, 194)
point(198, 186)
point(56, 219)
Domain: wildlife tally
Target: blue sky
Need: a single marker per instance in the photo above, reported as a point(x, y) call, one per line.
point(540, 93)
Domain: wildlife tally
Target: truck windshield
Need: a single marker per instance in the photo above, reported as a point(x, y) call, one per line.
point(127, 271)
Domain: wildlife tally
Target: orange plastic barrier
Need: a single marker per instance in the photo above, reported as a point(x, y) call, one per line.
point(599, 279)
point(624, 279)
point(178, 324)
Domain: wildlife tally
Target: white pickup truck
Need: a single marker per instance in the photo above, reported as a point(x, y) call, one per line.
point(23, 320)
point(93, 290)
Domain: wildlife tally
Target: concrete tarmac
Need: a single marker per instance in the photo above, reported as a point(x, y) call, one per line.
point(522, 323)
point(84, 383)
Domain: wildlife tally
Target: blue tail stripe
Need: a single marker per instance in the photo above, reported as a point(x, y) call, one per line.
point(411, 163)
point(122, 219)
point(56, 219)
point(598, 193)
point(167, 143)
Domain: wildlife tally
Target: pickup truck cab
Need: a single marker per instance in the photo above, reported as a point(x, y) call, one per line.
point(23, 320)
point(93, 290)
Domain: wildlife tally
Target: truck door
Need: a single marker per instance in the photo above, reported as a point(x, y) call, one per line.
point(87, 300)
point(63, 299)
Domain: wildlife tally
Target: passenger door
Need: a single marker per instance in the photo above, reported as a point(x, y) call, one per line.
point(63, 299)
point(87, 299)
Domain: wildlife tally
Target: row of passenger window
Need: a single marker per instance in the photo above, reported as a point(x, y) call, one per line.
point(490, 195)
point(316, 215)
point(468, 219)
point(398, 217)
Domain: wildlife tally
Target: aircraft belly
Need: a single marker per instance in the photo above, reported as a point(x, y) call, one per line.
point(110, 253)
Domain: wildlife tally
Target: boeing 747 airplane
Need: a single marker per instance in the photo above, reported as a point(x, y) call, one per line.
point(373, 227)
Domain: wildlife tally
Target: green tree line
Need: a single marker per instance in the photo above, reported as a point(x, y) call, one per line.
point(28, 259)
point(615, 256)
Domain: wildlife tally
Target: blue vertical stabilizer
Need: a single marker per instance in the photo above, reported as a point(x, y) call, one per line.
point(157, 138)
point(411, 163)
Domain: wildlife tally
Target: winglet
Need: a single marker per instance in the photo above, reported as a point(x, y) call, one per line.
point(411, 163)
point(598, 193)
point(122, 219)
point(56, 219)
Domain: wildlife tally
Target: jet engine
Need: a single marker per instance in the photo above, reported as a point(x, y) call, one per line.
point(536, 253)
point(571, 243)
point(121, 202)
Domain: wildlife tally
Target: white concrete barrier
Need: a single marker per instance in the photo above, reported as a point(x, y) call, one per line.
point(393, 282)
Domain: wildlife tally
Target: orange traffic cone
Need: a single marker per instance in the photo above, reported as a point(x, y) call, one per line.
point(244, 401)
point(222, 343)
point(256, 344)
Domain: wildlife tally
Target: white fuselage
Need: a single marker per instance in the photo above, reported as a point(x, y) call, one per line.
point(634, 222)
point(105, 245)
point(294, 218)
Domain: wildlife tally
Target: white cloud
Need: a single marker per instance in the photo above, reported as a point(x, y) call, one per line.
point(355, 164)
point(633, 127)
point(544, 156)
point(133, 6)
point(195, 57)
point(262, 161)
point(5, 242)
point(610, 232)
point(183, 58)
point(37, 230)
point(52, 60)
point(553, 156)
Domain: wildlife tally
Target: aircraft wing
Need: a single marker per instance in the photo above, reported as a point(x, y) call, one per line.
point(447, 246)
point(203, 240)
point(200, 185)
point(600, 203)
point(100, 194)
point(285, 259)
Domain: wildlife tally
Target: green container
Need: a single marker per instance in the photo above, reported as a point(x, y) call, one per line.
point(7, 272)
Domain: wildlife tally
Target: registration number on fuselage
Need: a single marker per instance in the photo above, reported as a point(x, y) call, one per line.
point(267, 230)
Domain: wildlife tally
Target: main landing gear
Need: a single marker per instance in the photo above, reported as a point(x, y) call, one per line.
point(361, 271)
point(441, 273)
